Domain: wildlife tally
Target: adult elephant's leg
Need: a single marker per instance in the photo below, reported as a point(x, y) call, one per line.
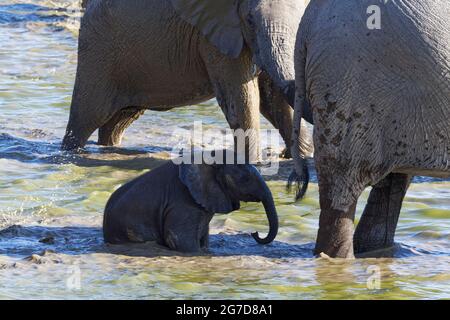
point(376, 228)
point(275, 109)
point(237, 92)
point(204, 240)
point(93, 95)
point(338, 199)
point(336, 227)
point(111, 133)
point(90, 109)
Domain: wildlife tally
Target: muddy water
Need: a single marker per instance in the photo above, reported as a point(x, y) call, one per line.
point(51, 203)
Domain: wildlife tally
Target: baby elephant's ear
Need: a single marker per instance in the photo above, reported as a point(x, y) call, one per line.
point(205, 189)
point(217, 20)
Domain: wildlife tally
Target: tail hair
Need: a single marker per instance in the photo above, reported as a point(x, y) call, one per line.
point(301, 182)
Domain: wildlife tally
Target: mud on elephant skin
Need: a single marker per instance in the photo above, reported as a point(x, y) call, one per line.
point(380, 101)
point(159, 55)
point(174, 204)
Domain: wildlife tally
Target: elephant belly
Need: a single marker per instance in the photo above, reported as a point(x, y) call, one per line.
point(161, 67)
point(444, 174)
point(177, 95)
point(162, 86)
point(424, 154)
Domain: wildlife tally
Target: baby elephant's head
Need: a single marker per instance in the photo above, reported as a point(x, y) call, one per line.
point(220, 188)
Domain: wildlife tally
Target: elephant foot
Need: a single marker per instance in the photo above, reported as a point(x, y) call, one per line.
point(75, 140)
point(112, 132)
point(336, 228)
point(335, 235)
point(70, 143)
point(376, 228)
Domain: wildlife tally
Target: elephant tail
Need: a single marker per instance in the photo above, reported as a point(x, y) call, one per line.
point(299, 149)
point(301, 181)
point(300, 175)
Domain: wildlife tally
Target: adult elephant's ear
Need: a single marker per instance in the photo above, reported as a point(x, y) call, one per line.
point(217, 20)
point(205, 188)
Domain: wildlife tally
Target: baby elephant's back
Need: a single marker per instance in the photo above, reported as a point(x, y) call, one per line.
point(138, 204)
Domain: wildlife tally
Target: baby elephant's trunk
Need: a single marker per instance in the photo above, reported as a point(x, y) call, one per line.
point(272, 216)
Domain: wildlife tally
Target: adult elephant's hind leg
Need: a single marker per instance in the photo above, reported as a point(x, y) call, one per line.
point(336, 227)
point(376, 228)
point(339, 193)
point(111, 133)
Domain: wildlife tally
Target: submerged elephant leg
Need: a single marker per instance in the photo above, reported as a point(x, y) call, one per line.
point(335, 235)
point(376, 228)
point(237, 93)
point(88, 112)
point(111, 133)
point(338, 199)
point(204, 240)
point(93, 96)
point(183, 231)
point(275, 109)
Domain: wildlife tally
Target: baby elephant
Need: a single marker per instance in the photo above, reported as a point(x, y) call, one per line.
point(173, 204)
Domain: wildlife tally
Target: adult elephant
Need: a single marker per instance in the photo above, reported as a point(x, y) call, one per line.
point(380, 100)
point(158, 55)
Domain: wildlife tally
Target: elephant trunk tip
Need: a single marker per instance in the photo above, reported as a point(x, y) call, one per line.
point(301, 181)
point(273, 224)
point(270, 237)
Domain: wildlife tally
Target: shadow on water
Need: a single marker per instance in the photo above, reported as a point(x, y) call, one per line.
point(142, 158)
point(29, 151)
point(23, 241)
point(34, 151)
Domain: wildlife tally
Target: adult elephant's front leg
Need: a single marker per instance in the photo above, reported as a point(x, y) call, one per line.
point(376, 228)
point(91, 108)
point(275, 109)
point(93, 99)
point(237, 92)
point(111, 133)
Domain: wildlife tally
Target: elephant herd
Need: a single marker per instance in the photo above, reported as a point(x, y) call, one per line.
point(378, 97)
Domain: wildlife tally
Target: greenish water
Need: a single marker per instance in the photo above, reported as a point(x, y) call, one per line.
point(51, 203)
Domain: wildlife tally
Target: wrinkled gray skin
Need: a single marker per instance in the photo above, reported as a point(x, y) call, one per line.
point(160, 54)
point(173, 204)
point(381, 103)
